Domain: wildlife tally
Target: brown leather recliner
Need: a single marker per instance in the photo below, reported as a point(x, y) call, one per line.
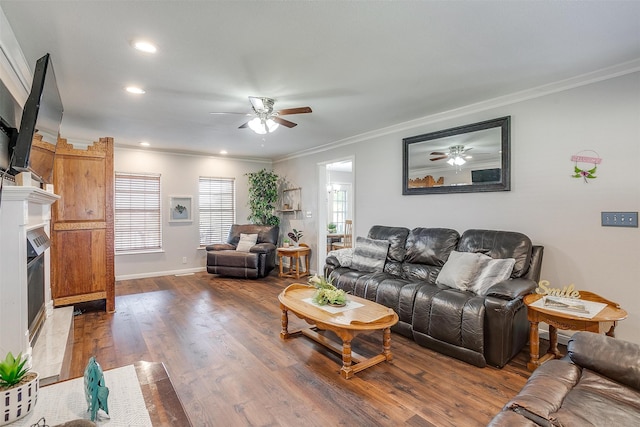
point(596, 384)
point(224, 259)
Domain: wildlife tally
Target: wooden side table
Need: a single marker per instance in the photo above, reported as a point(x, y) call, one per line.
point(605, 321)
point(294, 253)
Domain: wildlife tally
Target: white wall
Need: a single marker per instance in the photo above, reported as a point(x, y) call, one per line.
point(553, 209)
point(179, 176)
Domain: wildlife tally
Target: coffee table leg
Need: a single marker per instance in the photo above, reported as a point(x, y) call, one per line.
point(386, 344)
point(347, 370)
point(534, 347)
point(284, 320)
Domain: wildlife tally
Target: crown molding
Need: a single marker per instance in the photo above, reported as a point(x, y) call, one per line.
point(536, 92)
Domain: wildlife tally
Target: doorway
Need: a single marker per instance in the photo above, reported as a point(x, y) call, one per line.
point(336, 203)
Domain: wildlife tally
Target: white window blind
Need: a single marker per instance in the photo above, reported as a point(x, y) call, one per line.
point(137, 212)
point(217, 209)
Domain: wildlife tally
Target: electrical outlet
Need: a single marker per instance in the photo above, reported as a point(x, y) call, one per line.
point(184, 259)
point(619, 219)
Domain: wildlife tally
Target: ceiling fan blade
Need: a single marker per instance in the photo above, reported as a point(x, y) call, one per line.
point(438, 153)
point(439, 158)
point(283, 122)
point(299, 110)
point(244, 125)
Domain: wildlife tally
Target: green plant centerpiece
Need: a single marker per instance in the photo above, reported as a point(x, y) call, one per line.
point(18, 387)
point(326, 293)
point(263, 195)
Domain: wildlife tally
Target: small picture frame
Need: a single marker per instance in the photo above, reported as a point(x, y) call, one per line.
point(180, 209)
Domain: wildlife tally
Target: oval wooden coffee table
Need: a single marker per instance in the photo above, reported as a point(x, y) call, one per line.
point(346, 323)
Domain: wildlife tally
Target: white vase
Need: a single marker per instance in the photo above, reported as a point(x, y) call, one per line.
point(18, 401)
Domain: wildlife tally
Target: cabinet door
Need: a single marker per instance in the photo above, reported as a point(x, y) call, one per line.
point(82, 237)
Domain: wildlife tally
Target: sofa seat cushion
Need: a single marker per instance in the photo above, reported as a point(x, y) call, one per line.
point(451, 316)
point(560, 393)
point(232, 258)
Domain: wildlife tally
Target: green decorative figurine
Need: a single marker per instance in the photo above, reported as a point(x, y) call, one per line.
point(94, 388)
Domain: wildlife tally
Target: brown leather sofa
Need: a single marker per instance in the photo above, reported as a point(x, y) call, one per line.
point(596, 384)
point(224, 259)
point(478, 329)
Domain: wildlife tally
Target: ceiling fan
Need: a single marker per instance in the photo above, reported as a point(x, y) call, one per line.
point(456, 155)
point(267, 120)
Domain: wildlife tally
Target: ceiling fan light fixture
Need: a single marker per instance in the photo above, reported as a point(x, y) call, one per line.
point(257, 126)
point(271, 125)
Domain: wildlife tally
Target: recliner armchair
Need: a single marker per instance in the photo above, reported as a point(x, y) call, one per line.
point(224, 259)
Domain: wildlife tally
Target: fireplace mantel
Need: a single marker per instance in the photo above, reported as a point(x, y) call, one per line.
point(22, 208)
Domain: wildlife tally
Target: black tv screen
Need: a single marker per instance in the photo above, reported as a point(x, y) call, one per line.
point(42, 114)
point(485, 175)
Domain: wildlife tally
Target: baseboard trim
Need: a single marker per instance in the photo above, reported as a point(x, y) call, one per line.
point(160, 273)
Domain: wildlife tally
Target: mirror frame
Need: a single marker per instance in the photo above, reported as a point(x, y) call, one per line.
point(505, 171)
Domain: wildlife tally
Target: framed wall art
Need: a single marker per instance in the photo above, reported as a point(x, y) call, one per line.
point(180, 209)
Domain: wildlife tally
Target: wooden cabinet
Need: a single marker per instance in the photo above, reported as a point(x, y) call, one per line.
point(82, 251)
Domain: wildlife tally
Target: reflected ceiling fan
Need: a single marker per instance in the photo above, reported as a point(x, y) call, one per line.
point(267, 120)
point(456, 155)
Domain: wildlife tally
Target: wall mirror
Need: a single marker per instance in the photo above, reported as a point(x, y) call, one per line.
point(464, 159)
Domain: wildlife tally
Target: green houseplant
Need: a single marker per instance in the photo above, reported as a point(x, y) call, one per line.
point(326, 293)
point(263, 195)
point(19, 388)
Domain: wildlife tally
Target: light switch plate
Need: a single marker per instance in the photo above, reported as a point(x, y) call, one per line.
point(620, 219)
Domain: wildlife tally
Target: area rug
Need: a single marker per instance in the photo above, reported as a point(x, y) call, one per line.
point(65, 401)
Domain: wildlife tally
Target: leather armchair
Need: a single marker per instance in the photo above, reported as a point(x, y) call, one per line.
point(596, 384)
point(224, 259)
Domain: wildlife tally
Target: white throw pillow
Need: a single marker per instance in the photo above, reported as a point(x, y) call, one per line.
point(247, 241)
point(344, 256)
point(491, 271)
point(460, 269)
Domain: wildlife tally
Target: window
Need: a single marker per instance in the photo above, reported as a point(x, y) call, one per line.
point(137, 212)
point(217, 209)
point(339, 208)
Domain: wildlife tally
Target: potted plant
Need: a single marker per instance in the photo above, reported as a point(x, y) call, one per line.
point(18, 387)
point(331, 228)
point(263, 195)
point(285, 243)
point(295, 236)
point(326, 293)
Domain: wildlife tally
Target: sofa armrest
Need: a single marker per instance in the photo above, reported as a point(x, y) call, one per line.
point(263, 248)
point(616, 359)
point(512, 288)
point(332, 261)
point(220, 247)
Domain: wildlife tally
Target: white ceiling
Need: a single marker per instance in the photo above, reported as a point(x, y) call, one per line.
point(360, 65)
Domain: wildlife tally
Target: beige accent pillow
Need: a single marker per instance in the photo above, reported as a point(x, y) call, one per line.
point(247, 241)
point(459, 270)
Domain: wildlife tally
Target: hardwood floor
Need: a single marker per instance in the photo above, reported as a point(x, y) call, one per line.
point(219, 339)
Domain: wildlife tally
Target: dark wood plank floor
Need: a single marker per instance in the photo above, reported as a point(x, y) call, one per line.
point(219, 339)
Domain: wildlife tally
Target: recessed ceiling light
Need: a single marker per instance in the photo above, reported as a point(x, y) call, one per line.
point(144, 46)
point(134, 89)
point(223, 151)
point(144, 143)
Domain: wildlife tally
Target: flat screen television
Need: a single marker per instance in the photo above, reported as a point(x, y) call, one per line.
point(482, 176)
point(41, 118)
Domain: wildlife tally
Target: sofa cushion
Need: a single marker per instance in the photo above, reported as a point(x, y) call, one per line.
point(369, 254)
point(246, 242)
point(499, 245)
point(430, 246)
point(459, 270)
point(396, 236)
point(489, 272)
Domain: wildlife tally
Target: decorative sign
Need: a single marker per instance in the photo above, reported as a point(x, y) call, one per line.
point(586, 172)
point(566, 292)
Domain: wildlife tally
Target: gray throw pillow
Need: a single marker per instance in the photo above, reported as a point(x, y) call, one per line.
point(344, 256)
point(369, 254)
point(490, 272)
point(459, 269)
point(247, 241)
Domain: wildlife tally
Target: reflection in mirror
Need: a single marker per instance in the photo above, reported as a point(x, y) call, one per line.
point(469, 158)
